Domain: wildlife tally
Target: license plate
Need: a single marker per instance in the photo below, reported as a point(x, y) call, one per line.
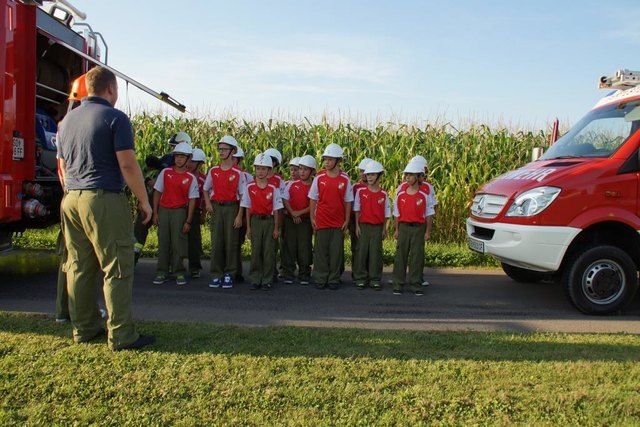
point(475, 245)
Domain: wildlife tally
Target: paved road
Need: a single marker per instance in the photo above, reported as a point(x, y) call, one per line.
point(456, 300)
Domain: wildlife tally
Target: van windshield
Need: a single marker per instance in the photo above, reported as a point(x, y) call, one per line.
point(599, 134)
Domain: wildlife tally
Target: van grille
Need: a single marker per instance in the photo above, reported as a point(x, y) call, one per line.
point(487, 205)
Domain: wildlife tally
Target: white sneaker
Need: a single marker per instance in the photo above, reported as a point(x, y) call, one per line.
point(425, 283)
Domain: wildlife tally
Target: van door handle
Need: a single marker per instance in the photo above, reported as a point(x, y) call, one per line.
point(612, 194)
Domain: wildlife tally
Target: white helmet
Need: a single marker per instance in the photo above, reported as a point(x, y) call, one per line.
point(373, 167)
point(179, 137)
point(263, 159)
point(308, 161)
point(333, 150)
point(414, 167)
point(272, 152)
point(229, 140)
point(295, 161)
point(198, 155)
point(363, 163)
point(239, 153)
point(183, 148)
point(419, 159)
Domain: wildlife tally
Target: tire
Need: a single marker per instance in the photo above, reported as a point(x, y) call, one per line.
point(522, 275)
point(601, 280)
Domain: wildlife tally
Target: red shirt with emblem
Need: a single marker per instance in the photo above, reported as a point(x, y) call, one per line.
point(410, 207)
point(424, 187)
point(373, 206)
point(358, 185)
point(176, 188)
point(261, 201)
point(298, 195)
point(224, 185)
point(331, 195)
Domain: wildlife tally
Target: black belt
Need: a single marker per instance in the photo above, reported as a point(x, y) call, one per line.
point(96, 190)
point(262, 216)
point(234, 202)
point(413, 224)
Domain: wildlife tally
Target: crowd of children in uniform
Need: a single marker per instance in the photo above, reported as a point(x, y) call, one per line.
point(304, 218)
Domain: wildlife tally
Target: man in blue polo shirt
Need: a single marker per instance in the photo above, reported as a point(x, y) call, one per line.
point(97, 158)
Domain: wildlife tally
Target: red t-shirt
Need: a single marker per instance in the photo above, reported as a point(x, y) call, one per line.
point(358, 185)
point(331, 195)
point(261, 201)
point(411, 207)
point(298, 196)
point(176, 188)
point(373, 206)
point(224, 185)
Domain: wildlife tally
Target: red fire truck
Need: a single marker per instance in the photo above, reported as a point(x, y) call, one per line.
point(573, 214)
point(42, 51)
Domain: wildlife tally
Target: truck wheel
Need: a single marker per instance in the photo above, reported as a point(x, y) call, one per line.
point(522, 275)
point(601, 280)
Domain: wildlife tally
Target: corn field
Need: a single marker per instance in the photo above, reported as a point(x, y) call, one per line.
point(459, 160)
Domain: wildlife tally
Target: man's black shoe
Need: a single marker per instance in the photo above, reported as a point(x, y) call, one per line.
point(142, 341)
point(101, 333)
point(334, 286)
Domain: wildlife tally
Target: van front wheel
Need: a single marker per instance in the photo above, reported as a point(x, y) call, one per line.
point(601, 280)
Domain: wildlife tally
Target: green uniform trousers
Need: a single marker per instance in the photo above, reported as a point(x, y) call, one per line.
point(224, 240)
point(98, 232)
point(263, 252)
point(62, 296)
point(367, 267)
point(328, 255)
point(140, 230)
point(287, 260)
point(409, 253)
point(298, 239)
point(172, 242)
point(195, 242)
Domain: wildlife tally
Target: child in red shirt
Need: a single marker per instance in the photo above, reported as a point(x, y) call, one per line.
point(199, 214)
point(412, 209)
point(224, 185)
point(330, 207)
point(174, 199)
point(299, 233)
point(361, 183)
point(238, 158)
point(372, 208)
point(262, 203)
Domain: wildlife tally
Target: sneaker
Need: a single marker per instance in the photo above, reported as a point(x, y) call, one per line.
point(195, 274)
point(288, 280)
point(360, 285)
point(418, 293)
point(304, 282)
point(160, 279)
point(321, 285)
point(255, 286)
point(215, 283)
point(227, 282)
point(266, 286)
point(180, 280)
point(334, 286)
point(103, 313)
point(142, 341)
point(397, 291)
point(376, 286)
point(425, 283)
point(62, 320)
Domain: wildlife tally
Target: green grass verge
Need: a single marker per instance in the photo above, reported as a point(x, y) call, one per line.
point(436, 254)
point(222, 375)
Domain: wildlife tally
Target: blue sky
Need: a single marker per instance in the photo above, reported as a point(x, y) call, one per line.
point(515, 63)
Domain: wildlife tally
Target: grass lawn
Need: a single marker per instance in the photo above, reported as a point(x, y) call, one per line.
point(222, 375)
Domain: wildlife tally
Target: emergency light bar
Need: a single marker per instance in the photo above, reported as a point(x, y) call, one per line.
point(622, 79)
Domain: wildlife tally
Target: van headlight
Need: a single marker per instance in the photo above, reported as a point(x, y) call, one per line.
point(533, 201)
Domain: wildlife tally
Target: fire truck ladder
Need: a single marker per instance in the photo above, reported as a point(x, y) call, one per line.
point(622, 79)
point(162, 96)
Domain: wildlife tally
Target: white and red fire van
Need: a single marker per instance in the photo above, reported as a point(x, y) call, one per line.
point(573, 214)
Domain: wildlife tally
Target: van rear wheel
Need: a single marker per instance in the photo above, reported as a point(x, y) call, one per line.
point(601, 280)
point(522, 275)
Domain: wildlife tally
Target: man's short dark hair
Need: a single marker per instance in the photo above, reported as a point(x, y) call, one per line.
point(98, 80)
